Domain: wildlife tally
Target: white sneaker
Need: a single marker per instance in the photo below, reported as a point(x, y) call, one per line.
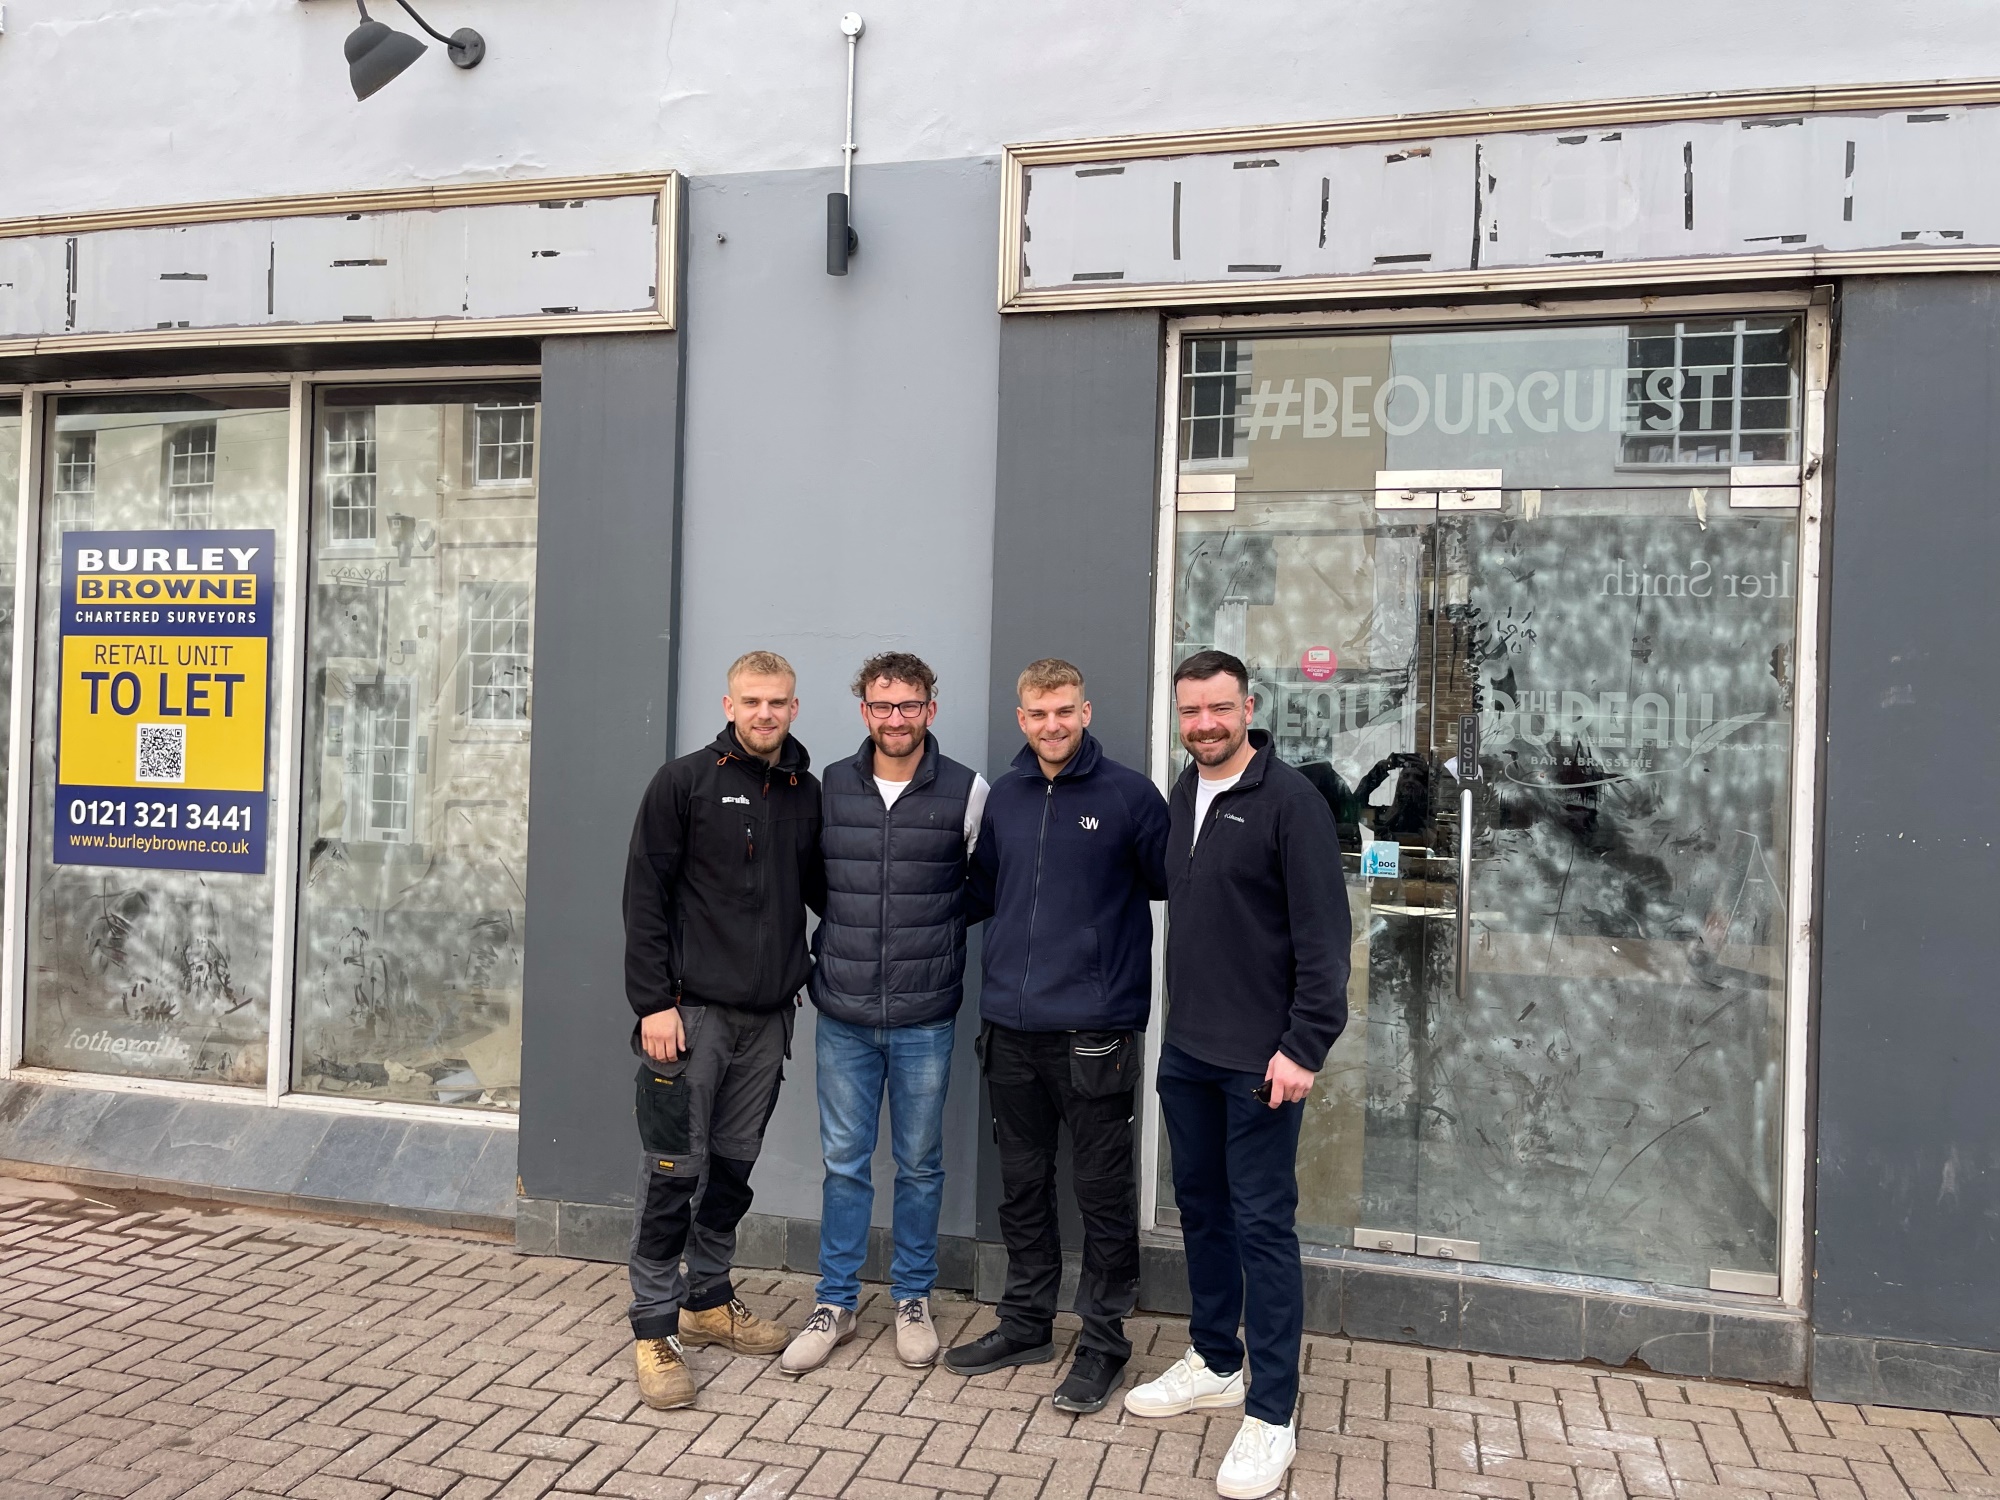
point(1187, 1385)
point(1257, 1461)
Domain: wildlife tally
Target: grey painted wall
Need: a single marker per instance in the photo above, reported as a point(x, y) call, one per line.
point(839, 498)
point(1908, 1210)
point(604, 678)
point(1075, 508)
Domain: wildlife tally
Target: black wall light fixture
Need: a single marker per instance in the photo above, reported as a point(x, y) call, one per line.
point(377, 53)
point(841, 240)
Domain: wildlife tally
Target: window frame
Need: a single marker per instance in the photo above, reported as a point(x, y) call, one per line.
point(1814, 305)
point(35, 482)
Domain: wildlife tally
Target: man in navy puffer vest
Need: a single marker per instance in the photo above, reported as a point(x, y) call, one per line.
point(887, 981)
point(1071, 851)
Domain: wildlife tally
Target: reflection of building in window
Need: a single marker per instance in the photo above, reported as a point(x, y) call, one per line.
point(191, 476)
point(504, 447)
point(1711, 393)
point(1213, 373)
point(350, 475)
point(76, 479)
point(379, 754)
point(498, 623)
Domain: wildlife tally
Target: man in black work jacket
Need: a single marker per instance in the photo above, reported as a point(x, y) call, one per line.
point(1071, 851)
point(724, 862)
point(1257, 957)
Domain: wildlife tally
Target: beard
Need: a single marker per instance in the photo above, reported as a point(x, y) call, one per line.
point(1212, 752)
point(1059, 750)
point(898, 741)
point(760, 741)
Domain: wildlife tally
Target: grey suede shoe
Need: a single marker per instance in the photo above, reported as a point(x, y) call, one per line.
point(827, 1328)
point(916, 1336)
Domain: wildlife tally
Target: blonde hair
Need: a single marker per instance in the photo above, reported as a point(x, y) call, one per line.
point(1046, 675)
point(760, 664)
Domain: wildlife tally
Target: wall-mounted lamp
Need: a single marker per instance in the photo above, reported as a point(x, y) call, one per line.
point(841, 240)
point(377, 53)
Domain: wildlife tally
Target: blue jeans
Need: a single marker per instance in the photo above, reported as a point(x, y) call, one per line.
point(855, 1062)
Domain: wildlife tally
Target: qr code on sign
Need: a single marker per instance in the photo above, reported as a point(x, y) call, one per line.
point(162, 753)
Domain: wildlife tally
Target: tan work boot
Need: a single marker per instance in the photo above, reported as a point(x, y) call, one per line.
point(734, 1327)
point(827, 1328)
point(916, 1335)
point(665, 1381)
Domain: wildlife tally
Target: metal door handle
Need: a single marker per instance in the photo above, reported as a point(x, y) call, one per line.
point(1464, 892)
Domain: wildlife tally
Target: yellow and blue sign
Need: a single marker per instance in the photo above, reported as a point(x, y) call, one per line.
point(165, 702)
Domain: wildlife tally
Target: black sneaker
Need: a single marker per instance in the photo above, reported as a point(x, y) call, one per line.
point(995, 1351)
point(1093, 1376)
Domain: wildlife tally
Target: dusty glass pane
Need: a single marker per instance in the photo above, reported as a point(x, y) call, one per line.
point(153, 973)
point(420, 669)
point(1601, 1091)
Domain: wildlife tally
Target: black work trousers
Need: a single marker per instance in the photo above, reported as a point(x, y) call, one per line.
point(1038, 1082)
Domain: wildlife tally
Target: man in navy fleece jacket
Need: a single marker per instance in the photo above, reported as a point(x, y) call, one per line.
point(1257, 958)
point(1071, 850)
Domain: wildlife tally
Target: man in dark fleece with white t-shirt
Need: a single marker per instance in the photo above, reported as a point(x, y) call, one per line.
point(1257, 957)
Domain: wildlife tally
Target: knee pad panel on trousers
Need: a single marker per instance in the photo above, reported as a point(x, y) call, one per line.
point(726, 1199)
point(1117, 1261)
point(663, 1216)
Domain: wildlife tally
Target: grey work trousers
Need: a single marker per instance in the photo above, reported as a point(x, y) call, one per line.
point(701, 1125)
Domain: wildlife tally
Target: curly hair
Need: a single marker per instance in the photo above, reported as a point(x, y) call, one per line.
point(897, 666)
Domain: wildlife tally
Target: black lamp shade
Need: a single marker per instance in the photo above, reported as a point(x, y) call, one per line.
point(376, 54)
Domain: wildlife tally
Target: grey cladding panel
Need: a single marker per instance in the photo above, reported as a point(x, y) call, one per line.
point(1075, 511)
point(604, 686)
point(1908, 1209)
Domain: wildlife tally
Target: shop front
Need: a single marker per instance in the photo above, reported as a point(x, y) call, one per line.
point(272, 628)
point(1502, 448)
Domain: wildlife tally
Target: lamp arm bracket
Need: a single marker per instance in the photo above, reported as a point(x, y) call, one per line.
point(428, 28)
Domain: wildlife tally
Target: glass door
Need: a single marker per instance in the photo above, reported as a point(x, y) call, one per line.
point(1522, 604)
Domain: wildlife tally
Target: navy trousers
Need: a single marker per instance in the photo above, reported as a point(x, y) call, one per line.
point(1236, 1185)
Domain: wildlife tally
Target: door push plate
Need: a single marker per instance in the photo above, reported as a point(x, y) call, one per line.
point(1437, 489)
point(1748, 1283)
point(1443, 1249)
point(1392, 1240)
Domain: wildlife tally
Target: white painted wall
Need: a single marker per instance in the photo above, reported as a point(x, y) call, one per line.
point(109, 105)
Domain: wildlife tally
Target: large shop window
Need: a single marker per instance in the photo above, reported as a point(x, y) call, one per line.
point(419, 670)
point(165, 660)
point(139, 961)
point(1589, 1078)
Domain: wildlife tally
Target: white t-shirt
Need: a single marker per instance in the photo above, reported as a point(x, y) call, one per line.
point(975, 805)
point(1205, 792)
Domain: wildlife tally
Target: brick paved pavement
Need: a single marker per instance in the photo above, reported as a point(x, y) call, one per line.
point(153, 1350)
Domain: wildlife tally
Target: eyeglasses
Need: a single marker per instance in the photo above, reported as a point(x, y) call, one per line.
point(911, 709)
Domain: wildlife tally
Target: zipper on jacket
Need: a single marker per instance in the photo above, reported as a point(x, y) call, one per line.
point(882, 960)
point(1035, 902)
point(1195, 842)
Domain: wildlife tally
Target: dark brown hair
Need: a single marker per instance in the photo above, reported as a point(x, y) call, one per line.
point(1206, 664)
point(897, 666)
